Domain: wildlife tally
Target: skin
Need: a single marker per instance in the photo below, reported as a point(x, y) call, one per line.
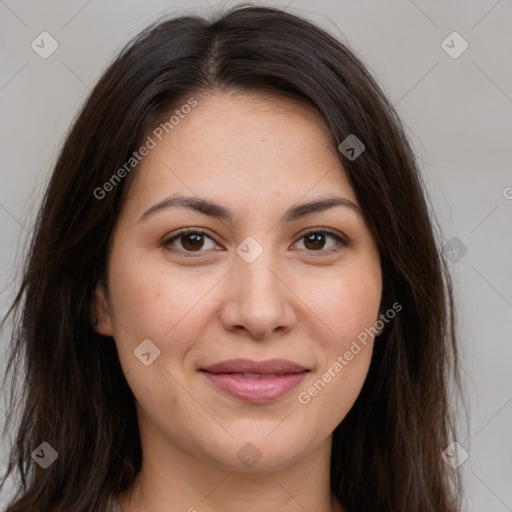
point(256, 155)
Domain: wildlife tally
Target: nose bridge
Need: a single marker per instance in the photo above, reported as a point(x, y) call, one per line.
point(255, 274)
point(253, 266)
point(258, 301)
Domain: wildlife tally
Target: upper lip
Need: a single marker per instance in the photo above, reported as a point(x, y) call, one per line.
point(270, 366)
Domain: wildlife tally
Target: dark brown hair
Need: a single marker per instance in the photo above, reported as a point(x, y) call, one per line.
point(386, 453)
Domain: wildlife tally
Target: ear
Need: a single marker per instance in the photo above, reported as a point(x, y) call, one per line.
point(101, 317)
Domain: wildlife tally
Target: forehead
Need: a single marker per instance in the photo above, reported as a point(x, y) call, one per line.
point(244, 148)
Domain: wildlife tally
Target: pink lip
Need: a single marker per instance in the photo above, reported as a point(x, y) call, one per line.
point(269, 379)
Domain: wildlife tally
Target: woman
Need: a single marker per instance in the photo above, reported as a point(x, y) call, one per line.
point(234, 298)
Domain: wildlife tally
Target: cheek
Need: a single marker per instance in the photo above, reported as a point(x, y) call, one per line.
point(151, 303)
point(347, 304)
point(151, 299)
point(349, 307)
point(345, 352)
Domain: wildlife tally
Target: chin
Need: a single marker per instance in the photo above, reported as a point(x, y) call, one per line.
point(257, 453)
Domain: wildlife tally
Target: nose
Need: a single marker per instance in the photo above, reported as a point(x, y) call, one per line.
point(257, 298)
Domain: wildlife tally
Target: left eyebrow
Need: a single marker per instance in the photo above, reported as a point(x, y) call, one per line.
point(211, 209)
point(325, 203)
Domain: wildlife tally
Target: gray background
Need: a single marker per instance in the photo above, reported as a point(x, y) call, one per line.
point(457, 112)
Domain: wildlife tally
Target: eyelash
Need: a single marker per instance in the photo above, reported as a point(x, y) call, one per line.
point(187, 231)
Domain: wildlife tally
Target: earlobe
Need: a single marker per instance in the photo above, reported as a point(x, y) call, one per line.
point(101, 321)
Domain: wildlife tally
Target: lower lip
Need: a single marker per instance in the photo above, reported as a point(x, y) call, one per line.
point(255, 390)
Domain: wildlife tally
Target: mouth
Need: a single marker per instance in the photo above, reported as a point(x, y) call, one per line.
point(255, 381)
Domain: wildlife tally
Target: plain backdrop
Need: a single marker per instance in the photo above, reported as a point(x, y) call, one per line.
point(456, 106)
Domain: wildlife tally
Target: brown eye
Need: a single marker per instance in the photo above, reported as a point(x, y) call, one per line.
point(317, 240)
point(192, 241)
point(189, 241)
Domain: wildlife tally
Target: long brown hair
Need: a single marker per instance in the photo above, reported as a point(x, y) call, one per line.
point(386, 453)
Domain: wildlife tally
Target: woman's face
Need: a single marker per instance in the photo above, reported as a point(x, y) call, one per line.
point(261, 277)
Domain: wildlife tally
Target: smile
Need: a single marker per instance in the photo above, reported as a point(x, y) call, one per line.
point(253, 381)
